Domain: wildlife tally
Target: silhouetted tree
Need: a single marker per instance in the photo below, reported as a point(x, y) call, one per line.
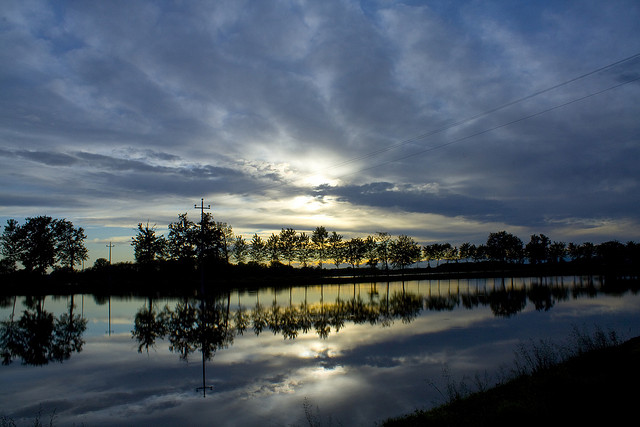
point(371, 251)
point(70, 249)
point(211, 240)
point(258, 250)
point(146, 245)
point(240, 249)
point(287, 242)
point(611, 252)
point(403, 251)
point(273, 248)
point(537, 250)
point(632, 250)
point(436, 251)
point(355, 250)
point(479, 253)
point(319, 237)
point(37, 244)
point(466, 251)
point(428, 253)
point(336, 248)
point(503, 246)
point(303, 248)
point(182, 238)
point(449, 252)
point(225, 232)
point(383, 238)
point(10, 249)
point(573, 250)
point(557, 251)
point(100, 264)
point(587, 250)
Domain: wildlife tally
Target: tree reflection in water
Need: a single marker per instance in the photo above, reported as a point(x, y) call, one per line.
point(37, 337)
point(189, 327)
point(208, 325)
point(192, 325)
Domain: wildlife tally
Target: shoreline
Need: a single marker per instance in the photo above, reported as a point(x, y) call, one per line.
point(592, 386)
point(132, 279)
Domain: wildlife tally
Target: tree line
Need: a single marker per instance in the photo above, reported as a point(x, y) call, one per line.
point(37, 337)
point(40, 243)
point(215, 241)
point(43, 242)
point(213, 324)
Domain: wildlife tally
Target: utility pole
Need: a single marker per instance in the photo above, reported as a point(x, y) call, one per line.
point(202, 208)
point(110, 246)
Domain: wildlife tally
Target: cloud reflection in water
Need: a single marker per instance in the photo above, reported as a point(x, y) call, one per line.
point(359, 375)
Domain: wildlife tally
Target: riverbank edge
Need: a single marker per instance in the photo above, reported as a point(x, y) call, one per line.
point(593, 387)
point(177, 281)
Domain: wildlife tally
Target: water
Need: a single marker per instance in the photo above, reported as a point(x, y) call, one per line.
point(347, 354)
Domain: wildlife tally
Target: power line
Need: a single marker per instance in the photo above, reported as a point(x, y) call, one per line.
point(469, 119)
point(521, 119)
point(484, 113)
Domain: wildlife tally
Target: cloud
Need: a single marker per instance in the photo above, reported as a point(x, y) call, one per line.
point(120, 105)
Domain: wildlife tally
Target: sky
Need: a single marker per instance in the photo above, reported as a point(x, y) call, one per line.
point(441, 120)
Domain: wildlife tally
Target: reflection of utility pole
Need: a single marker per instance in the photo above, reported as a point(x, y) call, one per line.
point(110, 246)
point(204, 387)
point(203, 325)
point(109, 330)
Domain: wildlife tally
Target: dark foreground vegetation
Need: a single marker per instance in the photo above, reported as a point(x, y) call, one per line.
point(41, 255)
point(595, 385)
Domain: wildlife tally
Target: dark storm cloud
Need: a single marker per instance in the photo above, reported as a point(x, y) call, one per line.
point(411, 199)
point(44, 157)
point(38, 200)
point(148, 174)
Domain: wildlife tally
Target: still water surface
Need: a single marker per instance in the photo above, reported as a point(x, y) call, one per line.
point(352, 354)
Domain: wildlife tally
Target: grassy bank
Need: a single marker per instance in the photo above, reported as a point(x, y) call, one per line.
point(595, 384)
